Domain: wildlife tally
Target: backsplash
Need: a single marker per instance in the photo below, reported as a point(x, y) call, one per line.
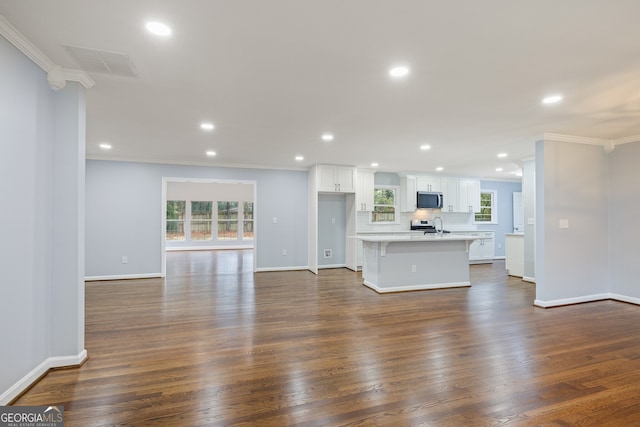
point(451, 221)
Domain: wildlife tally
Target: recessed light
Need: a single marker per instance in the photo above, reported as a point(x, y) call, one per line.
point(327, 137)
point(499, 169)
point(425, 147)
point(502, 155)
point(552, 99)
point(397, 72)
point(439, 168)
point(206, 126)
point(158, 29)
point(211, 153)
point(299, 158)
point(374, 165)
point(105, 146)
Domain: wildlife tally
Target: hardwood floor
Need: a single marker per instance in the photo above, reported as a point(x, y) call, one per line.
point(216, 345)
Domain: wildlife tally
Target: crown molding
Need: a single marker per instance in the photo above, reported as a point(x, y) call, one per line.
point(626, 140)
point(575, 139)
point(56, 75)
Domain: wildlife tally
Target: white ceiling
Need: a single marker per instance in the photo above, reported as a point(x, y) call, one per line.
point(274, 75)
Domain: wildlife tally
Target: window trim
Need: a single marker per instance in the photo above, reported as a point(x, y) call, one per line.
point(494, 208)
point(396, 192)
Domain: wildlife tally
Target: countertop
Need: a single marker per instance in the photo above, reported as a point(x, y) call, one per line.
point(413, 238)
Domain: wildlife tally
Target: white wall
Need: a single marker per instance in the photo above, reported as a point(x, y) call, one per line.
point(624, 224)
point(571, 185)
point(124, 212)
point(41, 297)
point(332, 225)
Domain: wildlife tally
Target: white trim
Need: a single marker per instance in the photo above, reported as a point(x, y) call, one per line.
point(332, 266)
point(625, 298)
point(36, 373)
point(191, 163)
point(626, 140)
point(416, 287)
point(267, 269)
point(25, 46)
point(206, 248)
point(500, 257)
point(574, 139)
point(123, 277)
point(529, 279)
point(569, 301)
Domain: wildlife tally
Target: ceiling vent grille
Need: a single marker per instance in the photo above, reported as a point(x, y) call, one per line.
point(102, 61)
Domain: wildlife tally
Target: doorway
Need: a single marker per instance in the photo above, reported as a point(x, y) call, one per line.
point(208, 214)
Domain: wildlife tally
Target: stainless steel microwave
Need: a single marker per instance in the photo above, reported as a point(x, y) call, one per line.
point(429, 200)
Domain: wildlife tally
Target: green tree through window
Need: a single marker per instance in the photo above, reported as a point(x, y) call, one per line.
point(384, 205)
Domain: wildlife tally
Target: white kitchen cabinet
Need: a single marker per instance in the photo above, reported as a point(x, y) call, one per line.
point(469, 196)
point(514, 251)
point(428, 183)
point(450, 188)
point(408, 193)
point(365, 190)
point(482, 250)
point(336, 179)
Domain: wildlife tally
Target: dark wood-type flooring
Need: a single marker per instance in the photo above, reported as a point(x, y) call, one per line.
point(215, 345)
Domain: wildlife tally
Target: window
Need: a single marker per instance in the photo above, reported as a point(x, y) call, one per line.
point(227, 220)
point(384, 205)
point(201, 220)
point(247, 228)
point(488, 208)
point(175, 219)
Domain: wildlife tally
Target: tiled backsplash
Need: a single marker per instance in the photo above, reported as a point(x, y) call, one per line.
point(451, 221)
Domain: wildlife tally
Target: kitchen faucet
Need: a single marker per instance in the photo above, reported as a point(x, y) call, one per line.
point(441, 225)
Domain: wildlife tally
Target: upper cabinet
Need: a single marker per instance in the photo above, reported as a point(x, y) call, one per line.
point(459, 194)
point(408, 196)
point(428, 183)
point(451, 194)
point(469, 195)
point(365, 190)
point(336, 179)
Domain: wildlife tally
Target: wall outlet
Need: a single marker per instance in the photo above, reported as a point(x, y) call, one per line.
point(284, 252)
point(413, 268)
point(275, 219)
point(333, 220)
point(499, 245)
point(328, 253)
point(125, 260)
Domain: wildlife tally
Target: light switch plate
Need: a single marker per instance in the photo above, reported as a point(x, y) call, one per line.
point(564, 223)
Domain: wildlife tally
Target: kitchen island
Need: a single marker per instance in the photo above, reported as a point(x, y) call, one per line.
point(415, 262)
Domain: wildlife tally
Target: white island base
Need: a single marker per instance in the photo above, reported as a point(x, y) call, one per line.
point(407, 263)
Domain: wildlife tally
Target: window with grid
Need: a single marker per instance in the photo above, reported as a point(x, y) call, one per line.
point(247, 221)
point(488, 211)
point(384, 205)
point(201, 220)
point(227, 220)
point(175, 219)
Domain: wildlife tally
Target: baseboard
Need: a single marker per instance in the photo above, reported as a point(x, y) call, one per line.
point(206, 248)
point(266, 269)
point(122, 277)
point(570, 301)
point(625, 298)
point(529, 279)
point(320, 267)
point(38, 372)
point(499, 257)
point(416, 287)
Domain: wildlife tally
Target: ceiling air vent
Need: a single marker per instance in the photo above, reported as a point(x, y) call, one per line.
point(102, 61)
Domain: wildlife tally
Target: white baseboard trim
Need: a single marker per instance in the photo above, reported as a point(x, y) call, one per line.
point(266, 269)
point(36, 373)
point(206, 248)
point(500, 257)
point(122, 277)
point(529, 279)
point(569, 301)
point(625, 298)
point(320, 267)
point(416, 287)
